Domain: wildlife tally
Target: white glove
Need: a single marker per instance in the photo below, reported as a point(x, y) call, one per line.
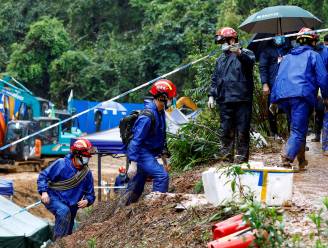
point(132, 171)
point(211, 102)
point(273, 108)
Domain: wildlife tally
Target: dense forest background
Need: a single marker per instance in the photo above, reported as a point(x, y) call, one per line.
point(100, 48)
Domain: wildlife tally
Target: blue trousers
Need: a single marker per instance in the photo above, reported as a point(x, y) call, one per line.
point(298, 111)
point(325, 133)
point(64, 217)
point(147, 165)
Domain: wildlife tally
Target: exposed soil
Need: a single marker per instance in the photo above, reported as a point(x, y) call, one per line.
point(158, 223)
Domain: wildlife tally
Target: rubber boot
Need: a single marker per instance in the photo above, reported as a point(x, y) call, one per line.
point(286, 162)
point(302, 162)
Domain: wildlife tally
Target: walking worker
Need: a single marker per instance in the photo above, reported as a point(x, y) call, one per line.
point(319, 105)
point(149, 141)
point(295, 90)
point(232, 89)
point(67, 185)
point(269, 62)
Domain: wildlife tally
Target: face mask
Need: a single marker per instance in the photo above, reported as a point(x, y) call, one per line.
point(294, 43)
point(83, 161)
point(168, 104)
point(225, 47)
point(279, 40)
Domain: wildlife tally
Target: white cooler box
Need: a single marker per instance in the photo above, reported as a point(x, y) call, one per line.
point(270, 185)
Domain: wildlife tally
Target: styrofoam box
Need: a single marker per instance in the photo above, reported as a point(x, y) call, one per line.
point(271, 185)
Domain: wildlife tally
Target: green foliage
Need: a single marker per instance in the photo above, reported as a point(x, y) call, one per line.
point(126, 42)
point(30, 61)
point(320, 220)
point(92, 243)
point(196, 142)
point(268, 222)
point(65, 74)
point(199, 187)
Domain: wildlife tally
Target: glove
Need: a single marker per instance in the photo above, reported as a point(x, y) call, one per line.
point(166, 163)
point(132, 170)
point(273, 108)
point(211, 103)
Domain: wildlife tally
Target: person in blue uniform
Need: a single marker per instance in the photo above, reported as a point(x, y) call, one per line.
point(62, 195)
point(300, 75)
point(149, 142)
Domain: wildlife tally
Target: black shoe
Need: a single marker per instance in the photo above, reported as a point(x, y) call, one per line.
point(239, 159)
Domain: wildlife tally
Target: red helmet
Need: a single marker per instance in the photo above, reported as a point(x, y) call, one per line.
point(122, 169)
point(163, 86)
point(225, 33)
point(307, 34)
point(83, 147)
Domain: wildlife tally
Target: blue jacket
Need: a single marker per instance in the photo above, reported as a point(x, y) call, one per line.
point(323, 51)
point(268, 63)
point(300, 74)
point(63, 169)
point(146, 136)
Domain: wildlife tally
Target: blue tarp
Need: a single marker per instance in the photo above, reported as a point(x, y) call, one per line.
point(108, 142)
point(110, 119)
point(6, 187)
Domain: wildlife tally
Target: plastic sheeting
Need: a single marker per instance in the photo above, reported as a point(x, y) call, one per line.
point(109, 142)
point(6, 187)
point(23, 230)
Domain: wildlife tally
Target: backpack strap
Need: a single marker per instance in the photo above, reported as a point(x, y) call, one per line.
point(149, 113)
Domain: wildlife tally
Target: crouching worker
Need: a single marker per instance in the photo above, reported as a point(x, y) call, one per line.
point(149, 141)
point(295, 90)
point(67, 185)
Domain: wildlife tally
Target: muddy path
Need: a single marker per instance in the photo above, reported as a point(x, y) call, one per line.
point(310, 187)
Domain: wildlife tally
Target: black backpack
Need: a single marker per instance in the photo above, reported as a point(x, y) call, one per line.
point(127, 123)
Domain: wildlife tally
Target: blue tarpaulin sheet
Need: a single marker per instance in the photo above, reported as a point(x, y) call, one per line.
point(6, 187)
point(106, 142)
point(110, 119)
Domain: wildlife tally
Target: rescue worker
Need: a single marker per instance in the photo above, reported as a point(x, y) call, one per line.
point(149, 141)
point(319, 105)
point(232, 89)
point(325, 40)
point(269, 61)
point(300, 75)
point(121, 179)
point(67, 185)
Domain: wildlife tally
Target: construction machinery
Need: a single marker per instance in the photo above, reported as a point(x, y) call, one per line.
point(32, 114)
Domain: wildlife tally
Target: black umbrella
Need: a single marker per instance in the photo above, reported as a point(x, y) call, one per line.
point(279, 19)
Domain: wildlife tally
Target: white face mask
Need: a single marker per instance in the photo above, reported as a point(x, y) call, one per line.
point(85, 161)
point(225, 47)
